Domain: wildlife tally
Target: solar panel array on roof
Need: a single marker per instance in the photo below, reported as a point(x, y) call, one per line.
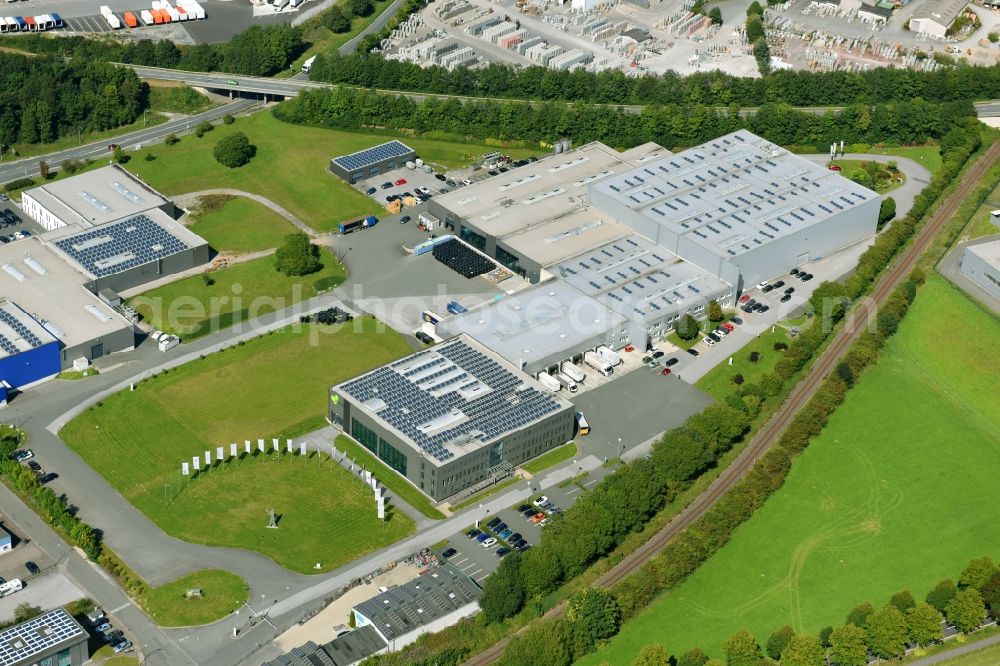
point(30, 638)
point(452, 393)
point(407, 607)
point(373, 155)
point(114, 248)
point(22, 332)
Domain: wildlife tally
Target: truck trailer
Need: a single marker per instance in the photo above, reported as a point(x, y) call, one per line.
point(572, 371)
point(566, 382)
point(599, 364)
point(548, 381)
point(611, 357)
point(357, 225)
point(307, 65)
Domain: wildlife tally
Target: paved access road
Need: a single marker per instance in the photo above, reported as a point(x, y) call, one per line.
point(28, 166)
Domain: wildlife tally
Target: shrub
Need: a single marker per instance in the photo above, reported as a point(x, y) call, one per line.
point(170, 139)
point(297, 256)
point(150, 157)
point(203, 128)
point(18, 184)
point(228, 119)
point(336, 20)
point(754, 357)
point(234, 150)
point(687, 328)
point(780, 346)
point(738, 380)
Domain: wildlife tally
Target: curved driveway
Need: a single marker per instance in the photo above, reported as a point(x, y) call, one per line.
point(917, 176)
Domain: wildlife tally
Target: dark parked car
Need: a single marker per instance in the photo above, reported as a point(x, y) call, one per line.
point(494, 172)
point(35, 466)
point(371, 190)
point(670, 362)
point(658, 354)
point(790, 290)
point(764, 308)
point(32, 568)
point(794, 271)
point(523, 508)
point(715, 336)
point(500, 527)
point(404, 219)
point(51, 476)
point(386, 185)
point(441, 177)
point(693, 351)
point(806, 277)
point(493, 523)
point(423, 337)
point(472, 534)
point(779, 284)
point(448, 552)
point(516, 536)
point(767, 287)
point(736, 320)
point(785, 298)
point(746, 308)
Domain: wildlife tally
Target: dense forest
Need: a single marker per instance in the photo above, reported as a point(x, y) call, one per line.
point(42, 99)
point(261, 50)
point(798, 88)
point(671, 126)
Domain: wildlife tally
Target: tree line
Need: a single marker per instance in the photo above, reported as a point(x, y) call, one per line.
point(262, 50)
point(624, 501)
point(42, 99)
point(715, 88)
point(867, 634)
point(671, 126)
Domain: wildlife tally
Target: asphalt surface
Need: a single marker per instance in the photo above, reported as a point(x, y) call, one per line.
point(951, 268)
point(28, 166)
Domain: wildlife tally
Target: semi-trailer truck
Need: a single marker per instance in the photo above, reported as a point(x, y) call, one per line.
point(548, 381)
point(566, 382)
point(611, 357)
point(599, 364)
point(573, 371)
point(582, 427)
point(357, 225)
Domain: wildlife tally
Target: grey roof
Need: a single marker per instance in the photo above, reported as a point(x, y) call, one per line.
point(121, 246)
point(43, 634)
point(52, 292)
point(532, 325)
point(97, 197)
point(884, 12)
point(373, 155)
point(452, 398)
point(732, 194)
point(943, 12)
point(18, 331)
point(988, 252)
point(350, 648)
point(407, 607)
point(638, 278)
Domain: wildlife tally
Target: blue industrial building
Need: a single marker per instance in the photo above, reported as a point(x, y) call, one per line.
point(28, 352)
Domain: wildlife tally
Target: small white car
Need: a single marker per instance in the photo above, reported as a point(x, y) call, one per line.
point(709, 341)
point(489, 543)
point(762, 284)
point(467, 181)
point(423, 190)
point(541, 500)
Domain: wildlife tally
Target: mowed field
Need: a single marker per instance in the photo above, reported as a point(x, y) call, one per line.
point(273, 386)
point(242, 225)
point(896, 493)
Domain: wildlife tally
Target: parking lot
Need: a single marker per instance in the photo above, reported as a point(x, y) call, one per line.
point(14, 222)
point(479, 561)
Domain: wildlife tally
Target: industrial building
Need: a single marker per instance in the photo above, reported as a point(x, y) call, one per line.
point(350, 648)
point(740, 207)
point(452, 416)
point(425, 604)
point(52, 301)
point(113, 228)
point(372, 161)
point(51, 639)
point(934, 17)
point(981, 264)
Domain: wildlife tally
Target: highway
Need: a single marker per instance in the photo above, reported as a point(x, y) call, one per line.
point(28, 166)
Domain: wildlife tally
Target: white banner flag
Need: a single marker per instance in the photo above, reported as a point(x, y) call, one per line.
point(196, 461)
point(380, 504)
point(247, 443)
point(208, 458)
point(378, 493)
point(302, 448)
point(219, 455)
point(368, 477)
point(288, 443)
point(260, 445)
point(232, 450)
point(374, 483)
point(277, 446)
point(333, 451)
point(184, 468)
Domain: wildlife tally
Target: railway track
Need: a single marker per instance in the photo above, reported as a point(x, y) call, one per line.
point(799, 396)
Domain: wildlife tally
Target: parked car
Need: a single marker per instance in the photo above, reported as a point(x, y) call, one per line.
point(502, 527)
point(502, 552)
point(22, 455)
point(125, 646)
point(34, 465)
point(386, 185)
point(32, 568)
point(404, 219)
point(423, 190)
point(715, 337)
point(441, 177)
point(767, 287)
point(518, 543)
point(522, 508)
point(529, 512)
point(665, 371)
point(524, 548)
point(737, 321)
point(493, 523)
point(538, 517)
point(779, 284)
point(744, 298)
point(794, 271)
point(670, 362)
point(113, 638)
point(746, 308)
point(809, 276)
point(658, 354)
point(790, 290)
point(448, 552)
point(472, 534)
point(391, 198)
point(103, 627)
point(516, 536)
point(483, 536)
point(541, 500)
point(51, 476)
point(489, 543)
point(423, 337)
point(401, 181)
point(728, 326)
point(693, 351)
point(708, 341)
point(371, 190)
point(493, 172)
point(764, 308)
point(466, 182)
point(785, 298)
point(760, 285)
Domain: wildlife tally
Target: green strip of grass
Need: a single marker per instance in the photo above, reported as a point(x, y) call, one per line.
point(479, 497)
point(550, 458)
point(388, 477)
point(222, 593)
point(241, 225)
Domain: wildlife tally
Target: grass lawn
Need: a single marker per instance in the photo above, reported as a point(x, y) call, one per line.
point(895, 494)
point(988, 656)
point(323, 40)
point(929, 156)
point(887, 182)
point(245, 392)
point(396, 484)
point(719, 381)
point(176, 98)
point(241, 225)
point(982, 225)
point(122, 661)
point(222, 593)
point(550, 458)
point(290, 166)
point(192, 308)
